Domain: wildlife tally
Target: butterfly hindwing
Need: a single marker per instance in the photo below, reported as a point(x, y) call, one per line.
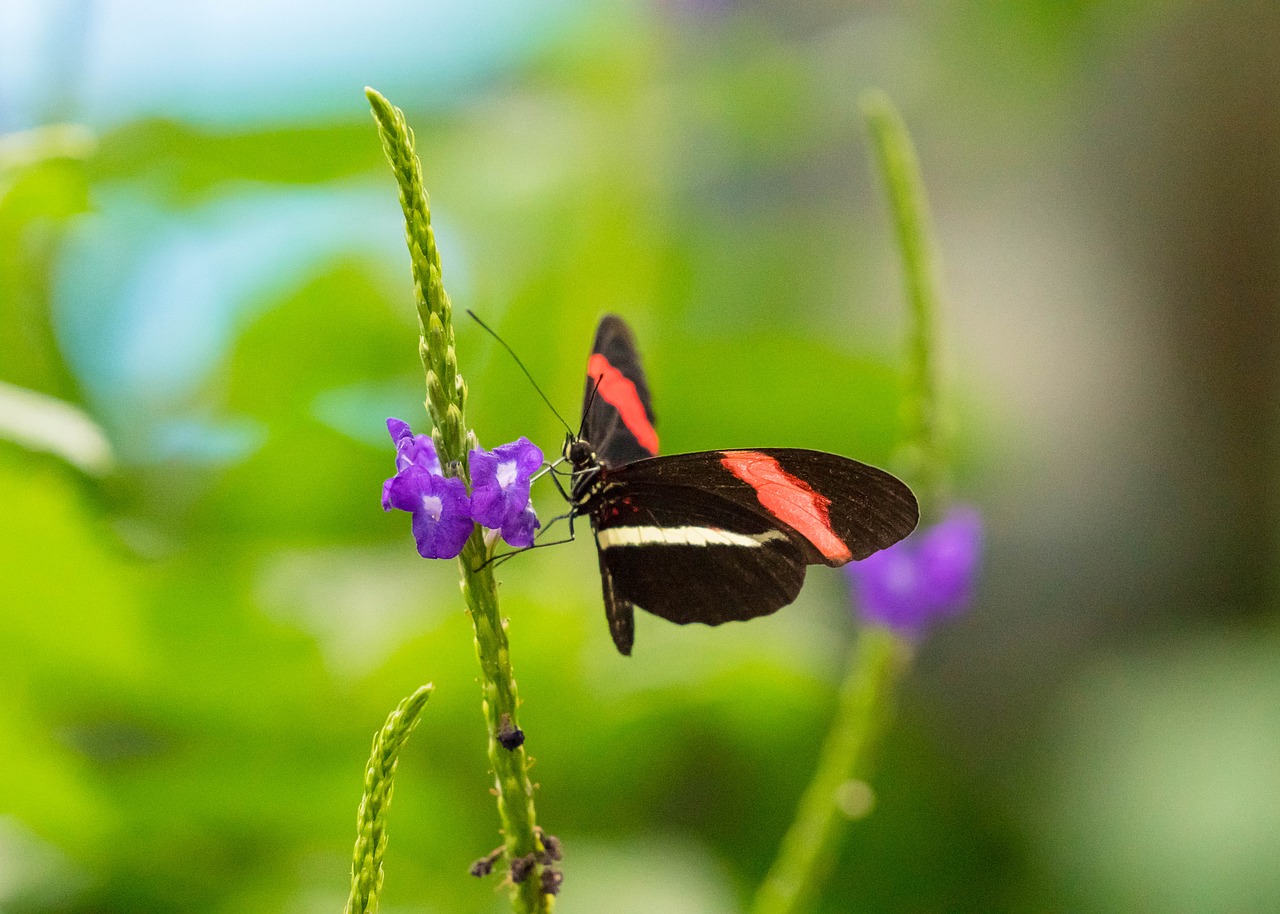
point(617, 413)
point(689, 555)
point(618, 610)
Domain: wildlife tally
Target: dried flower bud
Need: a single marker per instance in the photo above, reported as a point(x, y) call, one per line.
point(552, 848)
point(521, 867)
point(484, 866)
point(510, 736)
point(551, 881)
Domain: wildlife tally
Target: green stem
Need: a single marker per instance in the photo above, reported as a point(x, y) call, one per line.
point(895, 156)
point(446, 391)
point(446, 402)
point(835, 795)
point(371, 823)
point(879, 656)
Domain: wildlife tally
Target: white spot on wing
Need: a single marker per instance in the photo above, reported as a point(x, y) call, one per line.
point(683, 536)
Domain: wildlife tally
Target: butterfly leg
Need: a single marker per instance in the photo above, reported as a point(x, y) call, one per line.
point(555, 478)
point(547, 468)
point(499, 559)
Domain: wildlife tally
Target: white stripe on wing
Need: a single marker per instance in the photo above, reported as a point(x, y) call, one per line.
point(683, 536)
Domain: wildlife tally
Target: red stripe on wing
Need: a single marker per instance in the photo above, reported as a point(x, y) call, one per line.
point(618, 391)
point(790, 499)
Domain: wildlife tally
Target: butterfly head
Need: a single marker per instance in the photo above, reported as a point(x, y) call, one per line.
point(579, 453)
point(586, 468)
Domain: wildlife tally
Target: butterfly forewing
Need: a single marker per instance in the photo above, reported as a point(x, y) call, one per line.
point(617, 414)
point(839, 509)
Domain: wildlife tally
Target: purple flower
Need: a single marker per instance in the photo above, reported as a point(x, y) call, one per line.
point(927, 576)
point(500, 490)
point(439, 505)
point(411, 449)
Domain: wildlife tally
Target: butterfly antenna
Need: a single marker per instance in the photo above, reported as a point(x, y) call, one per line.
point(545, 400)
point(586, 410)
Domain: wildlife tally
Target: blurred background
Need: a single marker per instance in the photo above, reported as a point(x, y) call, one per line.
point(206, 317)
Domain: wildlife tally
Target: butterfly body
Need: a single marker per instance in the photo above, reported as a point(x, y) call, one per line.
point(711, 536)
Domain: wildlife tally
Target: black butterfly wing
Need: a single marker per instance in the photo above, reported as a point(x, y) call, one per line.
point(837, 509)
point(719, 536)
point(689, 555)
point(618, 610)
point(617, 416)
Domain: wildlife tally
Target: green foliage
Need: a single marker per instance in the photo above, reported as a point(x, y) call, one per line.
point(185, 166)
point(42, 185)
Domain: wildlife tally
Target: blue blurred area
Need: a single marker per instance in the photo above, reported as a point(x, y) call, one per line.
point(232, 65)
point(150, 298)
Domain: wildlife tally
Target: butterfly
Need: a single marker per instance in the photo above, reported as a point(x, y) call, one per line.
point(712, 536)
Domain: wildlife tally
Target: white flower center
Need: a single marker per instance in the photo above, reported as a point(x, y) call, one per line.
point(506, 473)
point(432, 505)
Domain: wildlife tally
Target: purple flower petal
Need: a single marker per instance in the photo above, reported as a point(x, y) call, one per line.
point(948, 555)
point(398, 429)
point(488, 502)
point(500, 482)
point(411, 449)
point(404, 491)
point(439, 505)
point(440, 508)
point(518, 531)
point(441, 526)
point(926, 576)
point(527, 454)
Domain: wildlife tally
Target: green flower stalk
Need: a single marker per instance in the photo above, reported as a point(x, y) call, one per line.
point(446, 403)
point(371, 822)
point(837, 794)
point(896, 160)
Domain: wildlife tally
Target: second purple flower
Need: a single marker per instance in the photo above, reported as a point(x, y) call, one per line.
point(500, 490)
point(928, 576)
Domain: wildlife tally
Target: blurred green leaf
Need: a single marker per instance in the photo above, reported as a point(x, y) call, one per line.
point(186, 165)
point(34, 202)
